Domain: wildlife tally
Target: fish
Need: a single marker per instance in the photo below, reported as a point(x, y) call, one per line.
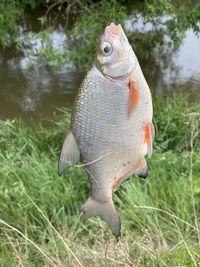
point(111, 126)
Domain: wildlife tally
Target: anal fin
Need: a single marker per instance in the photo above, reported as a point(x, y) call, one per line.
point(142, 170)
point(139, 168)
point(70, 153)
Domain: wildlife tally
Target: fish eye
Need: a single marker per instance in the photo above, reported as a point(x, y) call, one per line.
point(107, 48)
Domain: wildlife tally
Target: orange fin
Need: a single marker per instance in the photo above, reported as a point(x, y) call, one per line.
point(149, 137)
point(133, 96)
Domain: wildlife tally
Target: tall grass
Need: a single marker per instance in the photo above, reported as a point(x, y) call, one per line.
point(39, 212)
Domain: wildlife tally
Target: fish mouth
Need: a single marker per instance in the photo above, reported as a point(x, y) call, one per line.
point(111, 30)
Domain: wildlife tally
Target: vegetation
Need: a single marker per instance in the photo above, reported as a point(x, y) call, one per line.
point(12, 12)
point(40, 222)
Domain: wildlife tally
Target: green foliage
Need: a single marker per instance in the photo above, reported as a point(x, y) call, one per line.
point(173, 124)
point(179, 17)
point(46, 54)
point(158, 220)
point(11, 13)
point(196, 182)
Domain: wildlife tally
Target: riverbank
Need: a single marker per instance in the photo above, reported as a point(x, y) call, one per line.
point(39, 212)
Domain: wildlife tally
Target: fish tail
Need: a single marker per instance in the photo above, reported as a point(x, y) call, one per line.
point(105, 210)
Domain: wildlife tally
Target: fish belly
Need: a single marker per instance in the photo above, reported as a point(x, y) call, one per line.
point(109, 140)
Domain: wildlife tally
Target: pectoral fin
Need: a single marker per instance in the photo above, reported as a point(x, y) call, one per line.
point(149, 137)
point(105, 210)
point(70, 153)
point(133, 96)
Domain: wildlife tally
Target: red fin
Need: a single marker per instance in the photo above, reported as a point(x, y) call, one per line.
point(133, 96)
point(149, 137)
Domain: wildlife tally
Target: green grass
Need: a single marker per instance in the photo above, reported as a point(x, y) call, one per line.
point(39, 212)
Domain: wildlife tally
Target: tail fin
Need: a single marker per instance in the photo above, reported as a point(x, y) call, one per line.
point(106, 211)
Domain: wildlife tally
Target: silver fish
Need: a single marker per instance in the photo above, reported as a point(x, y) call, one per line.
point(111, 125)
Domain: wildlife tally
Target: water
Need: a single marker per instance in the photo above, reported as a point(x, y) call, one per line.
point(35, 91)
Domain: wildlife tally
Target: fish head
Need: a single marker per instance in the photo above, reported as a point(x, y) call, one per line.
point(115, 57)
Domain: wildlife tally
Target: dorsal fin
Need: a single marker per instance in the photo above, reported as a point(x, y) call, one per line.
point(70, 153)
